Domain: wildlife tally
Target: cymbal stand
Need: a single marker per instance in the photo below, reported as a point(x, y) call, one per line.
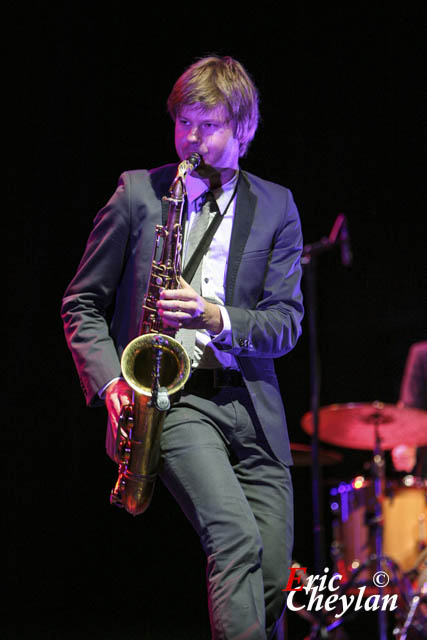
point(403, 632)
point(376, 522)
point(378, 475)
point(318, 527)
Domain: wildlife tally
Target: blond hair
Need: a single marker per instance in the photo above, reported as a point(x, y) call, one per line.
point(219, 81)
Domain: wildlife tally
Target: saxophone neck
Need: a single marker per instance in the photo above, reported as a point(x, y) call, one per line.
point(177, 189)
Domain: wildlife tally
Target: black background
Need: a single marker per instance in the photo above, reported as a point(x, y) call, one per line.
point(343, 125)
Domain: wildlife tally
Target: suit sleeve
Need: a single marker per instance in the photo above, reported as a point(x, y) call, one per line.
point(90, 295)
point(273, 326)
point(413, 391)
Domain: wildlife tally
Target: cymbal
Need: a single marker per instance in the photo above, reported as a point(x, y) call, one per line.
point(354, 425)
point(302, 455)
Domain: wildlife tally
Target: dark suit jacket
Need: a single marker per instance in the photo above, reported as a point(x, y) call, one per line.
point(263, 295)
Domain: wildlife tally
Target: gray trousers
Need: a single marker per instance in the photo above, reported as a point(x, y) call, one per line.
point(217, 464)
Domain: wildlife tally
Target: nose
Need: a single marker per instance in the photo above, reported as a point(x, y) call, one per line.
point(193, 134)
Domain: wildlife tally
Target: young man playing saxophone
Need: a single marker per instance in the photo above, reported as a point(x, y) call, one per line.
point(225, 449)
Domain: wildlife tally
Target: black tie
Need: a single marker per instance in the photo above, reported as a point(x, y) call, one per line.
point(187, 337)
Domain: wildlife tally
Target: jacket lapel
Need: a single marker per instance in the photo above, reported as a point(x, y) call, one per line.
point(243, 218)
point(161, 180)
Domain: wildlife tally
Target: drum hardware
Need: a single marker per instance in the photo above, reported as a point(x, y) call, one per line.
point(378, 475)
point(411, 621)
point(302, 455)
point(413, 617)
point(377, 427)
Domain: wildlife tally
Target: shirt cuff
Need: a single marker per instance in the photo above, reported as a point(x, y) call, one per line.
point(101, 392)
point(225, 336)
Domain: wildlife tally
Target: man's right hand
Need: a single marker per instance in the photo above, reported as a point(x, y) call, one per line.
point(117, 394)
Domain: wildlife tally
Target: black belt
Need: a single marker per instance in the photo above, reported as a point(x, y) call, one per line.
point(214, 379)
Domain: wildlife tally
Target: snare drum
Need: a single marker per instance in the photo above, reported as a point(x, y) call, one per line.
point(404, 511)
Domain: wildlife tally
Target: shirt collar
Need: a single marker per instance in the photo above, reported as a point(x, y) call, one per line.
point(196, 187)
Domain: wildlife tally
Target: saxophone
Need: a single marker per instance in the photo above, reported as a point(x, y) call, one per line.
point(154, 364)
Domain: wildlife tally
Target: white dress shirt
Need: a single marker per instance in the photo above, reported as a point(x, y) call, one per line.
point(214, 269)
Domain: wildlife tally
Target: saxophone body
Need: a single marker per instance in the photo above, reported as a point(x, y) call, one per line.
point(154, 364)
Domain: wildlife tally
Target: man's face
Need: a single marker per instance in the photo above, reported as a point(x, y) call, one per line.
point(209, 133)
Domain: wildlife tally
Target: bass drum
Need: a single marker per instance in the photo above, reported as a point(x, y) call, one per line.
point(405, 521)
point(404, 510)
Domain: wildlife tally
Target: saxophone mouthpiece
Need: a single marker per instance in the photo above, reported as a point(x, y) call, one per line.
point(195, 159)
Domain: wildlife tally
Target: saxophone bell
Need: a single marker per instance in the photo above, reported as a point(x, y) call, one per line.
point(174, 366)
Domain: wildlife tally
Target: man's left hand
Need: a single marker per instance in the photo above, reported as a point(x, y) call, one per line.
point(184, 307)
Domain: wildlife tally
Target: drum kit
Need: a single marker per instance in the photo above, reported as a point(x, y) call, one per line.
point(379, 526)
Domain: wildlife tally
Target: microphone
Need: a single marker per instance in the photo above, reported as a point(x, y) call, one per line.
point(339, 233)
point(345, 246)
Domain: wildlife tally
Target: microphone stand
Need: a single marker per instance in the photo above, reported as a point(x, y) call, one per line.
point(339, 232)
point(311, 306)
point(309, 260)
